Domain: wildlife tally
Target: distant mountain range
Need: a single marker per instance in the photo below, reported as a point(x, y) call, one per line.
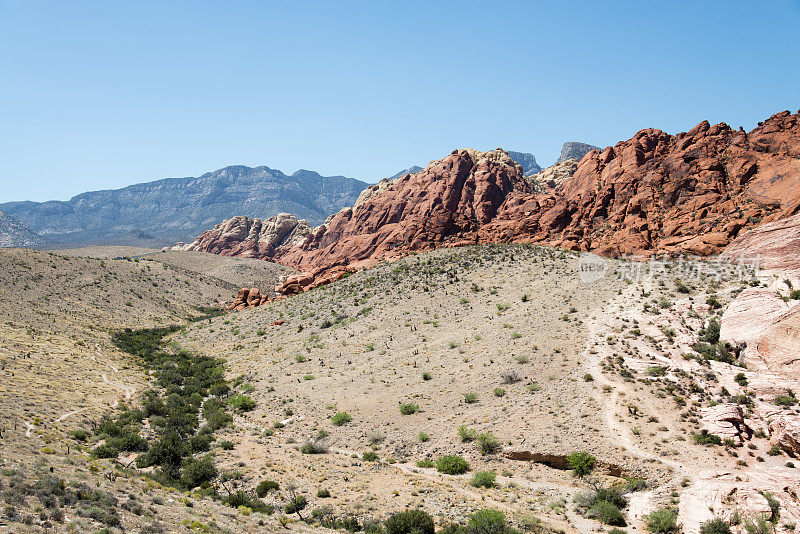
point(15, 234)
point(574, 150)
point(177, 209)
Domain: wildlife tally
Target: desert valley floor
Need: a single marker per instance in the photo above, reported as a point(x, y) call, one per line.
point(503, 355)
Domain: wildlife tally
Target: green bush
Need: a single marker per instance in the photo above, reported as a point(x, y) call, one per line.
point(611, 495)
point(323, 493)
point(196, 472)
point(313, 447)
point(705, 438)
point(715, 526)
point(409, 522)
point(483, 479)
point(710, 334)
point(341, 418)
point(105, 450)
point(370, 456)
point(466, 434)
point(265, 486)
point(241, 402)
point(663, 521)
point(487, 522)
point(408, 408)
point(581, 462)
point(452, 465)
point(487, 443)
point(130, 441)
point(296, 504)
point(608, 513)
point(79, 434)
point(470, 398)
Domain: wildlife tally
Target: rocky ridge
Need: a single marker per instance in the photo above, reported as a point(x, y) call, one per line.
point(178, 209)
point(15, 234)
point(574, 150)
point(689, 193)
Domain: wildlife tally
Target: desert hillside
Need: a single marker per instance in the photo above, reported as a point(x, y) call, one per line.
point(504, 356)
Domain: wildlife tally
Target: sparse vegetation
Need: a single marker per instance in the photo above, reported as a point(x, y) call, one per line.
point(452, 465)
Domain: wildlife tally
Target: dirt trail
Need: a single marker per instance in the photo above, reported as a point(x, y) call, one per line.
point(128, 390)
point(640, 503)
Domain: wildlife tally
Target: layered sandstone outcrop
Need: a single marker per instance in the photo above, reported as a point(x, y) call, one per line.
point(252, 238)
point(693, 193)
point(552, 177)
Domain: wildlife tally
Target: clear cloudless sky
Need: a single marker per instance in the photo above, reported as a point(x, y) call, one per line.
point(98, 95)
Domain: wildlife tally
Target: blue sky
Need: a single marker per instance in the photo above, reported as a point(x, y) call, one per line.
point(101, 95)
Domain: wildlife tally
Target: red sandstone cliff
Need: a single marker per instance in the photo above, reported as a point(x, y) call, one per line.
point(693, 192)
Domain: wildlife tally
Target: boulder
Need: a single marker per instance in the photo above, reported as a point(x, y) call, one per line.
point(726, 421)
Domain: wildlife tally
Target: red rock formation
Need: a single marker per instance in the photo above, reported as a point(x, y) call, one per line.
point(251, 238)
point(692, 192)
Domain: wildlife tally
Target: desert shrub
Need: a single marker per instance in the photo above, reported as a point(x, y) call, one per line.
point(581, 462)
point(662, 521)
point(409, 522)
point(426, 463)
point(740, 379)
point(408, 408)
point(424, 436)
point(466, 434)
point(470, 398)
point(759, 525)
point(370, 456)
point(611, 495)
point(499, 392)
point(129, 441)
point(341, 418)
point(106, 450)
point(786, 400)
point(218, 419)
point(323, 493)
point(656, 370)
point(608, 513)
point(634, 484)
point(487, 522)
point(239, 498)
point(201, 441)
point(487, 443)
point(296, 504)
point(79, 434)
point(196, 472)
point(226, 445)
point(427, 376)
point(241, 402)
point(483, 479)
point(710, 334)
point(313, 447)
point(705, 438)
point(715, 526)
point(510, 377)
point(265, 486)
point(452, 465)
